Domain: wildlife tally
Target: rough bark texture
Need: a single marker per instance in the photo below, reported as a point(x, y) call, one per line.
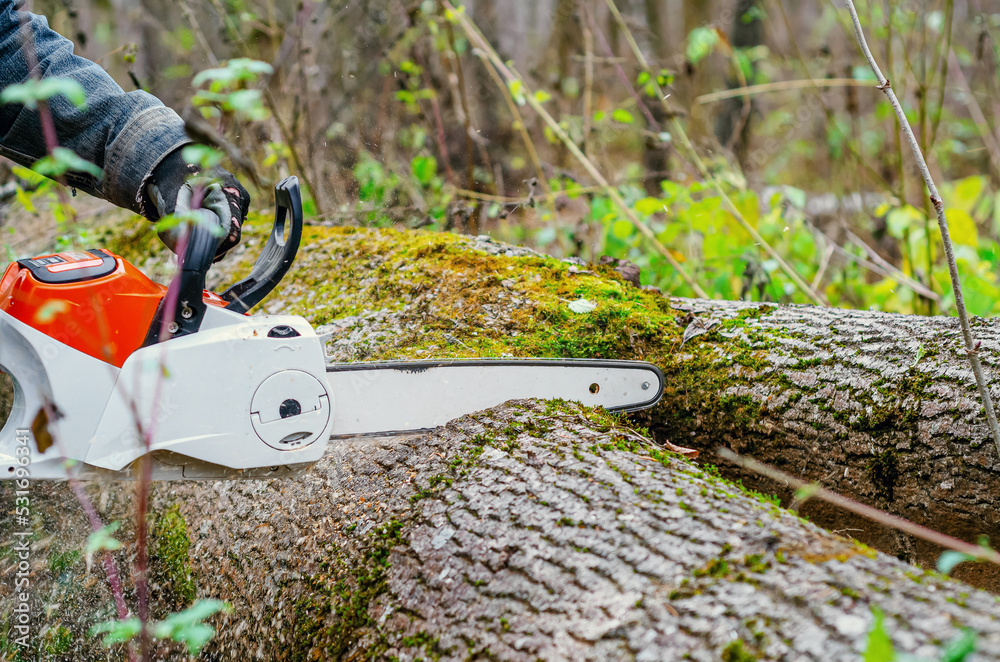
point(531, 531)
point(541, 531)
point(879, 406)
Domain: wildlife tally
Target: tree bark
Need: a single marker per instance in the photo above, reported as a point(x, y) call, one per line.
point(540, 530)
point(529, 531)
point(879, 406)
point(732, 125)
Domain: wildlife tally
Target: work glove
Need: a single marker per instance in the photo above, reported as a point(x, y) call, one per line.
point(170, 192)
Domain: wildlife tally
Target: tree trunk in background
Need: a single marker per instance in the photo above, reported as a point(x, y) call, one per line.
point(654, 157)
point(732, 126)
point(690, 81)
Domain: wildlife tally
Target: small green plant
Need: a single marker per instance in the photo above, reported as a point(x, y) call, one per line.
point(879, 647)
point(187, 627)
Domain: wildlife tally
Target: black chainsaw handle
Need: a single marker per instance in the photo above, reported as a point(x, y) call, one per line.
point(278, 253)
point(200, 246)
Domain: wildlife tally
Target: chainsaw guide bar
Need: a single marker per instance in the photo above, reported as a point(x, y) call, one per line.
point(122, 370)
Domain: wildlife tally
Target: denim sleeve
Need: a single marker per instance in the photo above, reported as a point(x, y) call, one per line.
point(126, 134)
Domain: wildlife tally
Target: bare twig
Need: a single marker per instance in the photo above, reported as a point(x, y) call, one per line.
point(971, 346)
point(890, 271)
point(780, 86)
point(814, 491)
point(51, 142)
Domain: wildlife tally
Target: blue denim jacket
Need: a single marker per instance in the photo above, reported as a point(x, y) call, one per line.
point(126, 134)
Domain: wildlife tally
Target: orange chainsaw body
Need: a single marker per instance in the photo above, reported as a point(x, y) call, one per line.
point(93, 301)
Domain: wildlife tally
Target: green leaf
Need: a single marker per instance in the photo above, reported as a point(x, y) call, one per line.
point(879, 648)
point(863, 72)
point(25, 200)
point(517, 91)
point(901, 219)
point(806, 492)
point(622, 116)
point(33, 91)
point(949, 559)
point(961, 227)
point(650, 206)
point(61, 161)
point(239, 69)
point(966, 192)
point(102, 539)
point(177, 219)
point(188, 628)
point(202, 156)
point(424, 169)
point(961, 647)
point(541, 96)
point(29, 176)
point(117, 632)
point(622, 229)
point(795, 196)
point(582, 306)
point(247, 103)
point(701, 44)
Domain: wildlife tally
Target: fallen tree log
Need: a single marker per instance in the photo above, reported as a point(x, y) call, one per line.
point(531, 531)
point(539, 530)
point(879, 406)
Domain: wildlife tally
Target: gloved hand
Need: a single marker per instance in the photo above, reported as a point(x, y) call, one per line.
point(170, 193)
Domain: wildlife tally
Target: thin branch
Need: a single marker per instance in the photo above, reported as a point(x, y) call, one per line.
point(814, 491)
point(971, 345)
point(889, 271)
point(780, 86)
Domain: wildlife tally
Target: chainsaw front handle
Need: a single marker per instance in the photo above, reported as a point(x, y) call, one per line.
point(189, 305)
point(278, 253)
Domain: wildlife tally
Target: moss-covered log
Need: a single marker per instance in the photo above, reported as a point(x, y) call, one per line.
point(879, 406)
point(545, 531)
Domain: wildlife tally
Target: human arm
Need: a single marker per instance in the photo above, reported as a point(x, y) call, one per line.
point(131, 136)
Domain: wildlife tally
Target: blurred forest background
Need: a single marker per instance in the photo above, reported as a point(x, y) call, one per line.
point(391, 116)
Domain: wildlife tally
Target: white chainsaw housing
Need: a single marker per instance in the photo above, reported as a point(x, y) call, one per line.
point(228, 401)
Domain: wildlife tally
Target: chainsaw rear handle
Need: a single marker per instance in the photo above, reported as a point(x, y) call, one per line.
point(278, 253)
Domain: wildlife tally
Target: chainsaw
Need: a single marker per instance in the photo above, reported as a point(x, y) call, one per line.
point(109, 367)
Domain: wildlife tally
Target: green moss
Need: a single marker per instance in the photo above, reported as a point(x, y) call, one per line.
point(430, 645)
point(716, 568)
point(170, 566)
point(756, 563)
point(61, 561)
point(737, 652)
point(347, 588)
point(58, 640)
